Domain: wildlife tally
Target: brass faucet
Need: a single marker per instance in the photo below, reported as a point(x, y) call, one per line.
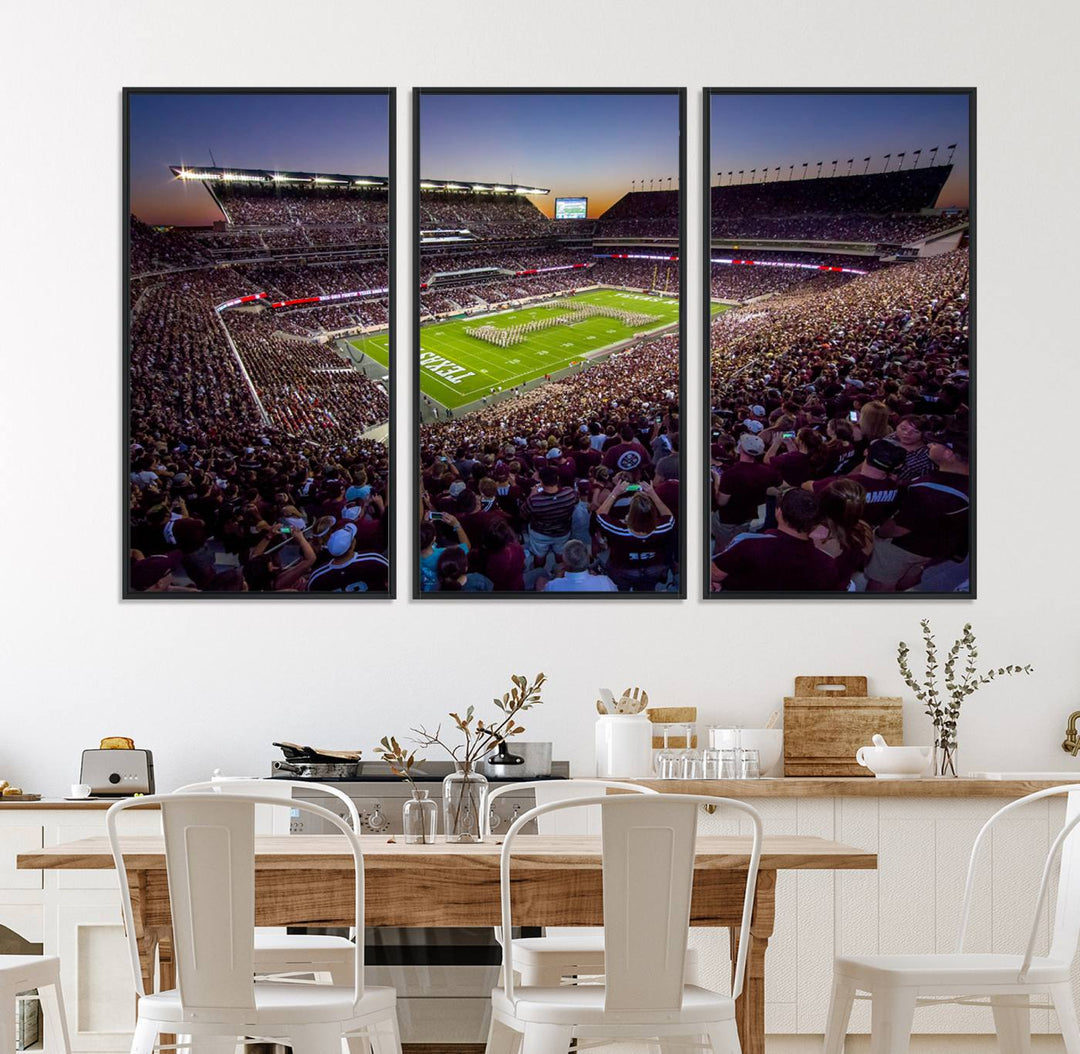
point(1072, 737)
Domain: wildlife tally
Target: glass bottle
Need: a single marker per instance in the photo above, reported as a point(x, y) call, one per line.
point(419, 818)
point(464, 800)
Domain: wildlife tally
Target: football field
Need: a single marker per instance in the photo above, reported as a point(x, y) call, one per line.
point(457, 369)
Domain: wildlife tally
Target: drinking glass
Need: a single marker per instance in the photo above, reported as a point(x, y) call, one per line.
point(712, 759)
point(667, 759)
point(749, 765)
point(689, 759)
point(729, 764)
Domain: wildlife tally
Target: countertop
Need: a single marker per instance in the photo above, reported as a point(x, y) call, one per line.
point(857, 787)
point(785, 787)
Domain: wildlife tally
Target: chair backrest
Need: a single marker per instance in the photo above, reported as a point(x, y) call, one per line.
point(648, 846)
point(210, 862)
point(254, 785)
point(556, 790)
point(1066, 934)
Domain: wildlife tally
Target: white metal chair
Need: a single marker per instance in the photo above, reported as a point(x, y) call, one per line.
point(279, 955)
point(23, 973)
point(210, 860)
point(648, 869)
point(547, 960)
point(898, 984)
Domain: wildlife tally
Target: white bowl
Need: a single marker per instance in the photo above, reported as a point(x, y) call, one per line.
point(768, 742)
point(894, 763)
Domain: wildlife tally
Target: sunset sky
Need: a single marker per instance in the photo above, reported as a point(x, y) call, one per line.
point(307, 132)
point(754, 130)
point(575, 145)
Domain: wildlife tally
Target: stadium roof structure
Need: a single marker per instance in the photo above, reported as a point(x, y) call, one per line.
point(273, 176)
point(479, 188)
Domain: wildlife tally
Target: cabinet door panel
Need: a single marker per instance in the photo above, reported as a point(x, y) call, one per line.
point(15, 840)
point(96, 974)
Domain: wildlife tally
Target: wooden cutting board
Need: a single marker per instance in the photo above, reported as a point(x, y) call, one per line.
point(672, 715)
point(829, 718)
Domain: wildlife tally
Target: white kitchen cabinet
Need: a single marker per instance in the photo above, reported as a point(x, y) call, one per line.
point(911, 903)
point(74, 915)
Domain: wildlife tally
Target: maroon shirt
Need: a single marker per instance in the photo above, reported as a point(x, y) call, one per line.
point(626, 457)
point(776, 560)
point(794, 467)
point(365, 572)
point(882, 495)
point(506, 568)
point(668, 493)
point(935, 509)
point(747, 483)
point(632, 552)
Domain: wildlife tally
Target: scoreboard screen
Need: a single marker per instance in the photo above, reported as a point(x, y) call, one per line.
point(571, 208)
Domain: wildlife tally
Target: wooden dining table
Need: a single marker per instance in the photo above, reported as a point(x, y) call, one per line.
point(557, 881)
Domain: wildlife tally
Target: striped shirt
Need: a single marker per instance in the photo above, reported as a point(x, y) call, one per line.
point(551, 514)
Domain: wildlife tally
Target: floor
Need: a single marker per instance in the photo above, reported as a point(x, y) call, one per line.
point(919, 1045)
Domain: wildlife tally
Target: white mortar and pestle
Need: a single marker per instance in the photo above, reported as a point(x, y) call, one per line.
point(893, 763)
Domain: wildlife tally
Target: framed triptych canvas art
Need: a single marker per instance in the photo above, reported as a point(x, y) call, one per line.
point(258, 342)
point(549, 349)
point(839, 313)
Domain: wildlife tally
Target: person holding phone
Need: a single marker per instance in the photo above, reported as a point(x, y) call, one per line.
point(639, 550)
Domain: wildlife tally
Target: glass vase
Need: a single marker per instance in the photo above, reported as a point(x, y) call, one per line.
point(946, 761)
point(464, 796)
point(419, 819)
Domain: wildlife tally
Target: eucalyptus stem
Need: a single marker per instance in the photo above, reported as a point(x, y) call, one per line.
point(943, 709)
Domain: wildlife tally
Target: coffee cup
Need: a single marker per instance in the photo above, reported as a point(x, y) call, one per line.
point(81, 790)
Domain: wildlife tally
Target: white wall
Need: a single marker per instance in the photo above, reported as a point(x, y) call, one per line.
point(212, 683)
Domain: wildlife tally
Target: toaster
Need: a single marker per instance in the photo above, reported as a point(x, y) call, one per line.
point(118, 773)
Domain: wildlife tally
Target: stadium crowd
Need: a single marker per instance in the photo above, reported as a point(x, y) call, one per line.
point(486, 216)
point(223, 499)
point(841, 435)
point(842, 228)
point(569, 487)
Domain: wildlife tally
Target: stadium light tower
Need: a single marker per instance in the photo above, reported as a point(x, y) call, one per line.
point(850, 162)
point(729, 175)
point(753, 173)
point(834, 164)
point(933, 155)
point(804, 164)
point(887, 159)
point(916, 156)
point(669, 182)
point(901, 156)
point(818, 176)
point(952, 149)
point(866, 166)
point(791, 171)
point(740, 176)
point(633, 184)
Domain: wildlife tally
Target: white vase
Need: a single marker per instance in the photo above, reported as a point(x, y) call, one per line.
point(623, 745)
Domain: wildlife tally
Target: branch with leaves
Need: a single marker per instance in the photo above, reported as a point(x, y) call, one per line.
point(944, 709)
point(400, 760)
point(481, 738)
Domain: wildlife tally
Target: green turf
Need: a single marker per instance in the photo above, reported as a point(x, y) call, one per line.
point(376, 346)
point(715, 308)
point(547, 351)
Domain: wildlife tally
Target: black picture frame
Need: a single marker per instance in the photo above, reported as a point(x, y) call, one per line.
point(417, 594)
point(127, 93)
point(706, 375)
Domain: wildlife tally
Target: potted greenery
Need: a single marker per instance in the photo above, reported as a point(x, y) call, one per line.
point(419, 814)
point(943, 708)
point(465, 789)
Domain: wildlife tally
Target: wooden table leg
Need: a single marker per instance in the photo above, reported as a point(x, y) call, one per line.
point(750, 1006)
